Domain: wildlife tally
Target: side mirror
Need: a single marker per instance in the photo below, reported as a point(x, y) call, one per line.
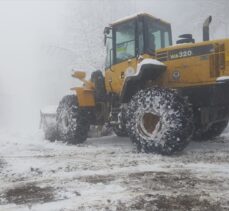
point(106, 32)
point(105, 40)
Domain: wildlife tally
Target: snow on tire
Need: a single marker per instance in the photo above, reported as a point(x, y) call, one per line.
point(51, 133)
point(72, 122)
point(159, 121)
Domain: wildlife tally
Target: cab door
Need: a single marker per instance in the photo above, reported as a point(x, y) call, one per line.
point(124, 55)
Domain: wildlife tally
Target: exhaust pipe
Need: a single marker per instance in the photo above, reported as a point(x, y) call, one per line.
point(206, 28)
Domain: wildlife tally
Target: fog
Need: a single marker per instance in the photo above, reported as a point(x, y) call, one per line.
point(42, 41)
point(26, 26)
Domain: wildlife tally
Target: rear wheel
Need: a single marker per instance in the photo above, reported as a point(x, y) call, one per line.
point(51, 133)
point(159, 120)
point(120, 130)
point(100, 91)
point(213, 131)
point(120, 127)
point(72, 121)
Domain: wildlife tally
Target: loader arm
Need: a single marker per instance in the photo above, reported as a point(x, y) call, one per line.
point(85, 94)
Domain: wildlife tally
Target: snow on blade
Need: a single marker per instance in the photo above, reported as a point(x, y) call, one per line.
point(49, 109)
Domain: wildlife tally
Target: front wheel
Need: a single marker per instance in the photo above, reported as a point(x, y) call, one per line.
point(72, 122)
point(159, 121)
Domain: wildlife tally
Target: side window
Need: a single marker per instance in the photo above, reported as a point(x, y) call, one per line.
point(166, 39)
point(125, 41)
point(156, 38)
point(158, 35)
point(109, 50)
point(140, 38)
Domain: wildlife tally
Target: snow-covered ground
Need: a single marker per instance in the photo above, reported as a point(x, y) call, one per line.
point(107, 174)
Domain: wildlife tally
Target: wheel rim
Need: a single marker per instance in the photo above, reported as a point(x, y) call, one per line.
point(149, 124)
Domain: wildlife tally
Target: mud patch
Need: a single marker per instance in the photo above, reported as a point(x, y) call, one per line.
point(97, 179)
point(172, 181)
point(162, 180)
point(186, 202)
point(29, 194)
point(158, 202)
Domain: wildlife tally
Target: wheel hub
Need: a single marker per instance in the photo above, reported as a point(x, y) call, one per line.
point(148, 124)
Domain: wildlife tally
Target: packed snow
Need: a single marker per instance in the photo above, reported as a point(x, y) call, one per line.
point(107, 173)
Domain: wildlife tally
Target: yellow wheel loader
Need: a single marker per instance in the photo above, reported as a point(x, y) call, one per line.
point(158, 94)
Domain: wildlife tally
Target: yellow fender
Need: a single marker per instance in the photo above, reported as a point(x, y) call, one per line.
point(84, 94)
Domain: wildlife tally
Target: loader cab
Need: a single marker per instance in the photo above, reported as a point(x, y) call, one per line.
point(134, 36)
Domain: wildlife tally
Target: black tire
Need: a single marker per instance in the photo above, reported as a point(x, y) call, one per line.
point(48, 125)
point(213, 131)
point(120, 130)
point(51, 133)
point(72, 122)
point(159, 121)
point(100, 91)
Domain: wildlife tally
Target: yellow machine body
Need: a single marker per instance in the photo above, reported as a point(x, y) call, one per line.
point(85, 96)
point(182, 70)
point(159, 94)
point(187, 65)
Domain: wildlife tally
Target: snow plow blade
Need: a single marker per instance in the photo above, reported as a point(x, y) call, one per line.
point(48, 122)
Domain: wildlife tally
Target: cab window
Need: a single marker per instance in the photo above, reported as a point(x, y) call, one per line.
point(158, 35)
point(140, 38)
point(125, 41)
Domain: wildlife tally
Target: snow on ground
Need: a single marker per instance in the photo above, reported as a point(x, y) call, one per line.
point(107, 174)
